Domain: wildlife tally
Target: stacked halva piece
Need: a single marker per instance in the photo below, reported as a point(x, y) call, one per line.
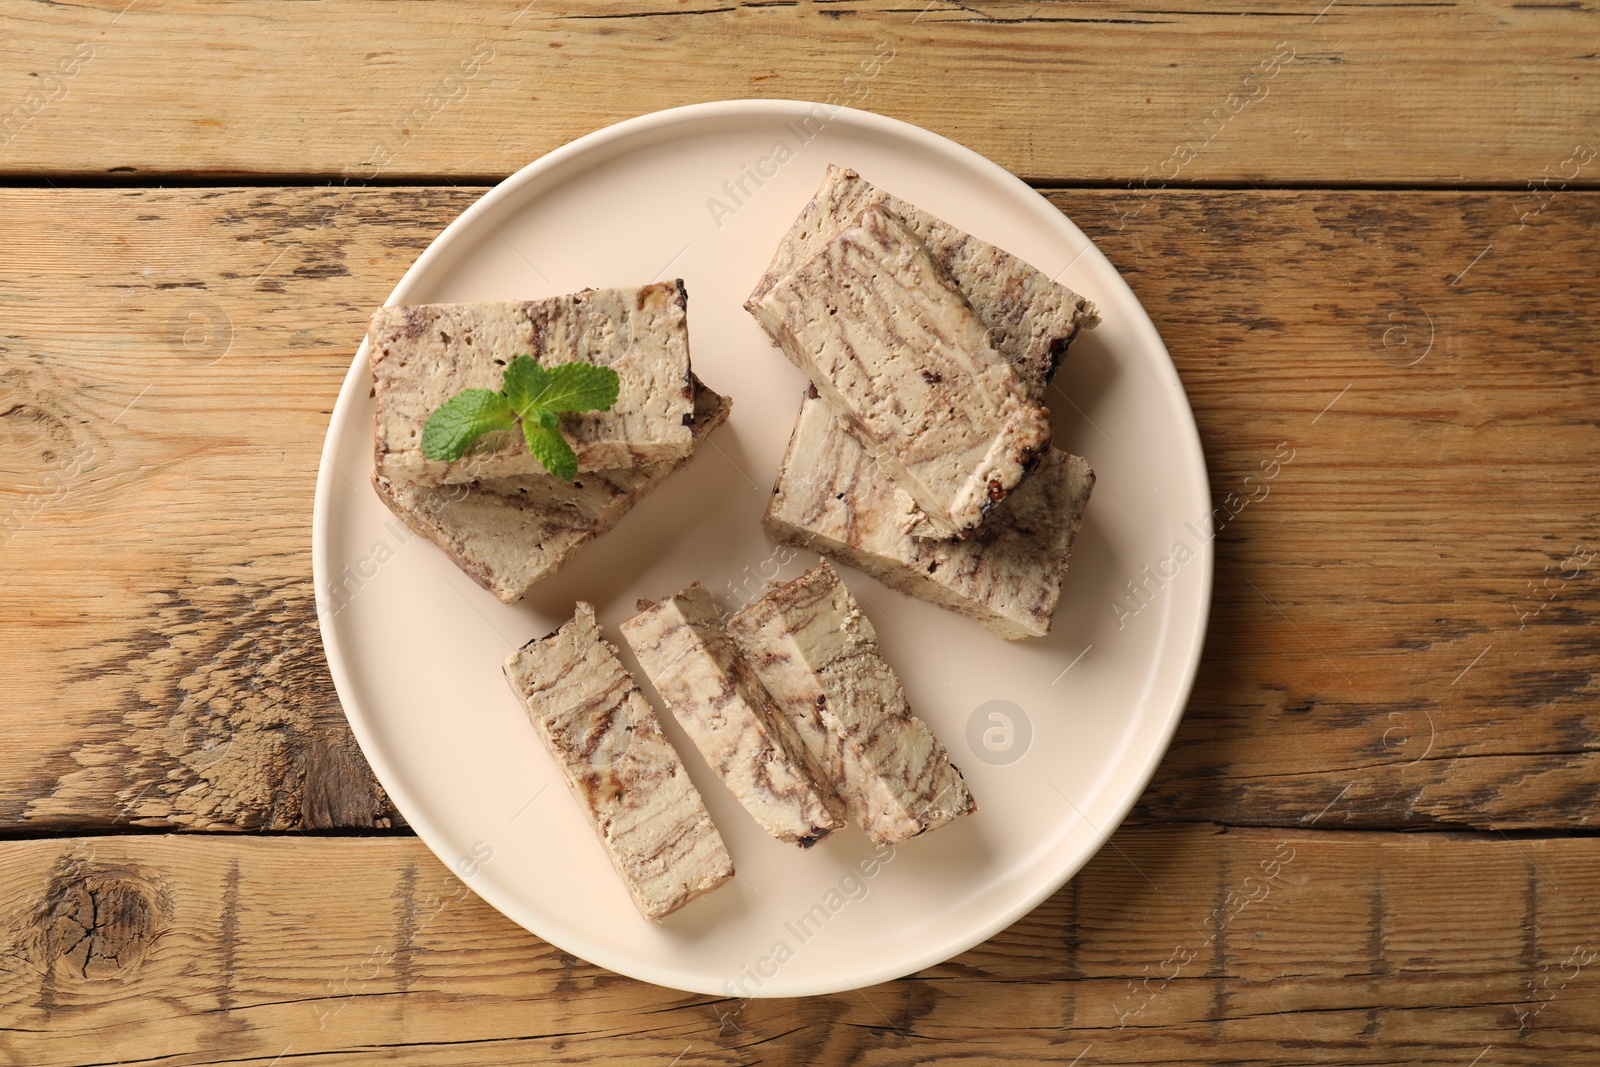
point(922, 454)
point(495, 512)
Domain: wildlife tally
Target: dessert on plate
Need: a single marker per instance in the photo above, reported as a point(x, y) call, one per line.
point(507, 533)
point(708, 685)
point(424, 354)
point(620, 768)
point(834, 496)
point(902, 359)
point(817, 654)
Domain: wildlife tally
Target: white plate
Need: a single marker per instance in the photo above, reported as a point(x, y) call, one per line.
point(415, 647)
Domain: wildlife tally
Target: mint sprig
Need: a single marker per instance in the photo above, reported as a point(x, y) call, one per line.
point(531, 393)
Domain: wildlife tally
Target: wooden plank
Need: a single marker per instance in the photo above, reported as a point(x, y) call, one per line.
point(1403, 615)
point(164, 413)
point(1280, 946)
point(1376, 649)
point(1360, 90)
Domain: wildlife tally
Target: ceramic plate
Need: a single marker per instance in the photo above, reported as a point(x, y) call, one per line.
point(1055, 736)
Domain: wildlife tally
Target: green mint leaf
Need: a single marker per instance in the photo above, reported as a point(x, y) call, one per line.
point(524, 383)
point(563, 387)
point(550, 448)
point(460, 420)
point(581, 387)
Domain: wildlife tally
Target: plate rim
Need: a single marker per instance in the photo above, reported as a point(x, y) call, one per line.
point(427, 831)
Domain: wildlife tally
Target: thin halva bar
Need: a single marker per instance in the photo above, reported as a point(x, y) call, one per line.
point(729, 715)
point(620, 767)
point(818, 657)
point(425, 354)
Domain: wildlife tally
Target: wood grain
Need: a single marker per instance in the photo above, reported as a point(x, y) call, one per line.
point(163, 413)
point(1404, 616)
point(1479, 91)
point(1290, 947)
point(1401, 633)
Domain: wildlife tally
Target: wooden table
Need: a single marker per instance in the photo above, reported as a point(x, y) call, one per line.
point(1368, 233)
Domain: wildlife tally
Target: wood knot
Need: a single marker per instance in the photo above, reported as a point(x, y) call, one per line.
point(96, 922)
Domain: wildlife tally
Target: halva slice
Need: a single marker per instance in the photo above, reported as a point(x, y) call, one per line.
point(832, 498)
point(817, 654)
point(1031, 319)
point(729, 715)
point(623, 772)
point(425, 354)
point(508, 533)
